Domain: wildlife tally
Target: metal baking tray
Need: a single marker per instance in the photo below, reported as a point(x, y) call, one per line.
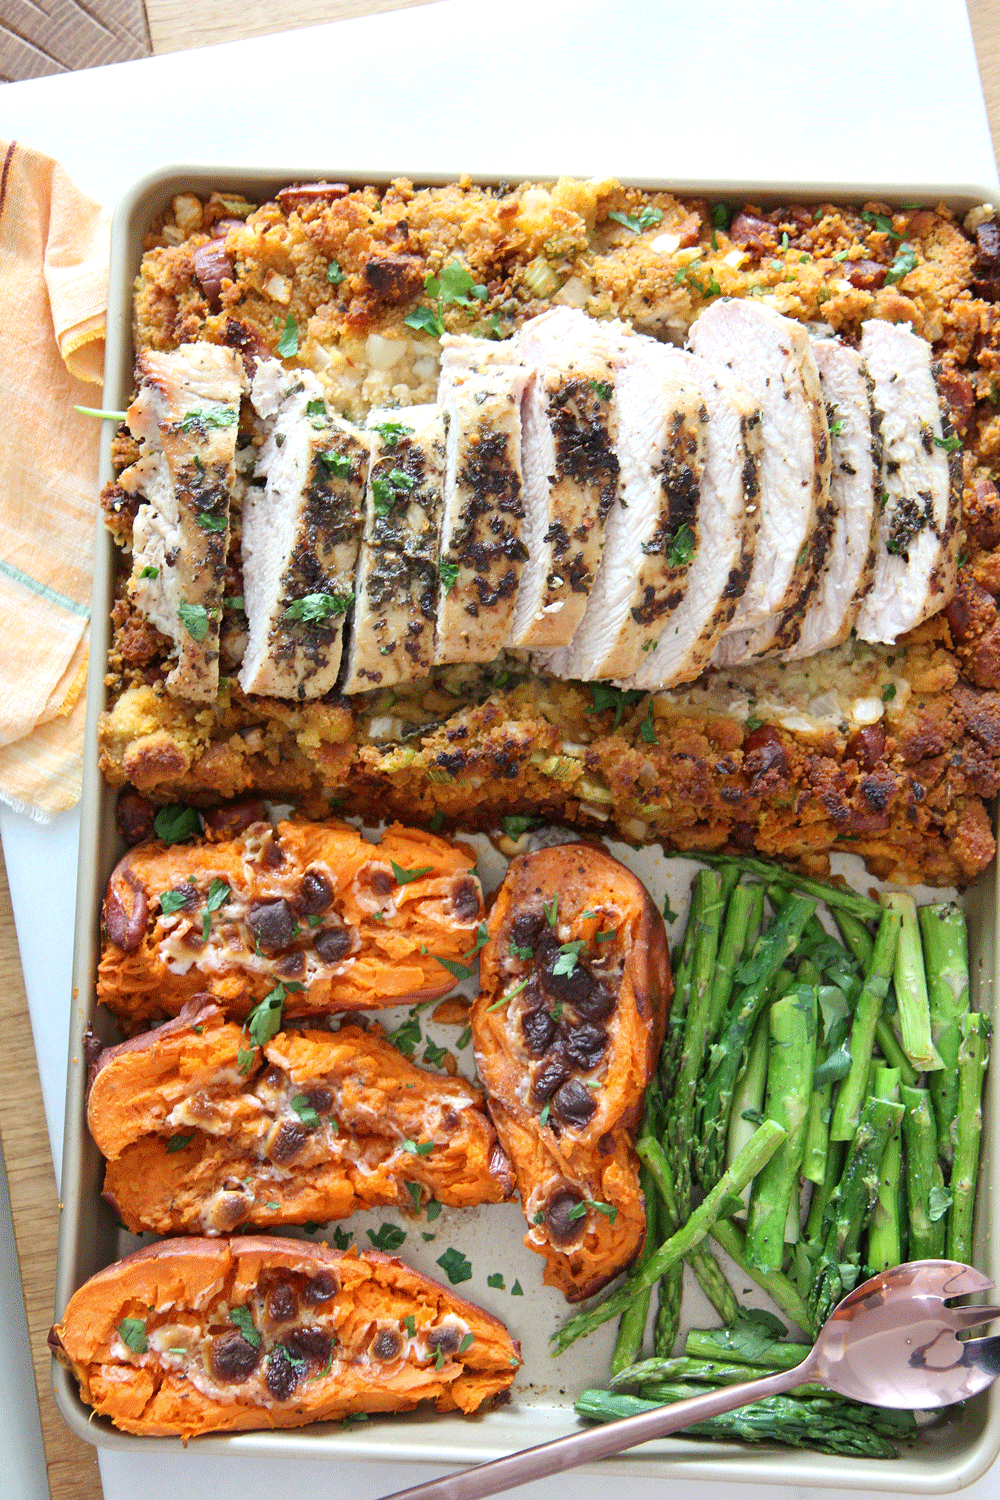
point(945, 1456)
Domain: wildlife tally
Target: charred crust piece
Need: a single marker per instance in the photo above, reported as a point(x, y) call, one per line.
point(303, 193)
point(199, 1374)
point(566, 1060)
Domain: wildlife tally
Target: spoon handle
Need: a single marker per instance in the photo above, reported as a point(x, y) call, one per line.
point(597, 1442)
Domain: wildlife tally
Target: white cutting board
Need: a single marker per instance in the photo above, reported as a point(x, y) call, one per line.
point(780, 90)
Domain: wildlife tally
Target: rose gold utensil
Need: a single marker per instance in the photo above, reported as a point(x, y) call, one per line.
point(890, 1342)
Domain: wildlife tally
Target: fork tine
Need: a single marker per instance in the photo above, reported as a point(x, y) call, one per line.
point(983, 1353)
point(969, 1317)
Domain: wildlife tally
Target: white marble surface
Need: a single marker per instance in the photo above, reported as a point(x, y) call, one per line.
point(537, 87)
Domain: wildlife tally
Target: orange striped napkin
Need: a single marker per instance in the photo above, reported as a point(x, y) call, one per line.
point(54, 246)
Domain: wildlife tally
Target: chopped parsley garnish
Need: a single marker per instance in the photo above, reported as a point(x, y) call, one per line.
point(669, 915)
point(235, 601)
point(482, 938)
point(680, 548)
point(105, 416)
point(606, 937)
point(610, 697)
point(464, 1039)
point(543, 1120)
point(178, 1142)
point(133, 1333)
point(458, 971)
point(410, 1322)
point(517, 952)
point(579, 1209)
point(949, 444)
point(304, 1110)
point(722, 216)
point(316, 408)
point(467, 1343)
point(263, 1022)
point(243, 1318)
point(171, 901)
point(288, 344)
point(404, 877)
point(434, 1055)
point(338, 464)
point(551, 910)
point(314, 921)
point(888, 692)
point(539, 1217)
point(496, 1281)
point(515, 825)
point(407, 1037)
point(644, 219)
point(837, 427)
point(568, 955)
point(881, 222)
point(342, 1237)
point(314, 607)
point(753, 722)
point(906, 259)
point(507, 995)
point(414, 1189)
point(433, 1209)
point(517, 1290)
point(455, 1266)
point(150, 573)
point(391, 432)
point(437, 822)
point(218, 894)
point(389, 1237)
point(223, 416)
point(418, 1148)
point(334, 274)
point(388, 488)
point(212, 523)
point(601, 389)
point(194, 618)
point(448, 574)
point(646, 729)
point(454, 285)
point(176, 823)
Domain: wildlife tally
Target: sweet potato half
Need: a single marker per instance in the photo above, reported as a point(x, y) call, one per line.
point(196, 1335)
point(575, 985)
point(342, 923)
point(204, 1132)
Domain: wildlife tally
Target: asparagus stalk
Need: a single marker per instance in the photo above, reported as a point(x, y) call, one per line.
point(778, 1287)
point(748, 1093)
point(716, 1090)
point(973, 1055)
point(737, 937)
point(850, 1206)
point(710, 1275)
point(884, 1250)
point(836, 1151)
point(722, 1344)
point(855, 935)
point(893, 1053)
point(851, 1095)
point(668, 1309)
point(830, 1426)
point(911, 986)
point(830, 1061)
point(836, 897)
point(791, 1056)
point(923, 1175)
point(632, 1327)
point(946, 950)
point(761, 1148)
point(706, 916)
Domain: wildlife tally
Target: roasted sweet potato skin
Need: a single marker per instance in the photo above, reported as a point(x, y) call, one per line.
point(258, 1332)
point(312, 1128)
point(577, 943)
point(313, 906)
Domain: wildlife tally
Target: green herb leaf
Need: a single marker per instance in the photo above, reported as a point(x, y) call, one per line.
point(222, 416)
point(938, 1203)
point(342, 1237)
point(288, 344)
point(427, 319)
point(646, 729)
point(906, 259)
point(881, 222)
point(171, 901)
point(218, 894)
point(314, 607)
point(418, 1148)
point(194, 618)
point(434, 1055)
point(388, 1238)
point(410, 1325)
point(888, 692)
point(105, 416)
point(835, 1067)
point(455, 1266)
point(606, 937)
point(150, 573)
point(304, 1110)
point(334, 274)
point(482, 938)
point(669, 915)
point(404, 877)
point(601, 389)
point(235, 601)
point(515, 825)
point(611, 697)
point(949, 444)
point(543, 1119)
point(448, 574)
point(176, 823)
point(464, 1039)
point(517, 1290)
point(551, 910)
point(457, 285)
point(391, 432)
point(722, 215)
point(459, 971)
point(415, 1191)
point(567, 958)
point(243, 1318)
point(212, 523)
point(752, 1117)
point(133, 1333)
point(496, 1281)
point(837, 427)
point(608, 1210)
point(433, 1209)
point(516, 952)
point(178, 1142)
point(645, 219)
point(407, 1036)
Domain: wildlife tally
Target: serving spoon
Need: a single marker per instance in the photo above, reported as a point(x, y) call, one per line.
point(890, 1342)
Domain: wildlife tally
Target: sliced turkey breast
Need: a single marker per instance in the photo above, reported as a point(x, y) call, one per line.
point(773, 358)
point(570, 471)
point(916, 558)
point(187, 412)
point(482, 545)
point(728, 519)
point(392, 633)
point(855, 454)
point(300, 537)
point(652, 533)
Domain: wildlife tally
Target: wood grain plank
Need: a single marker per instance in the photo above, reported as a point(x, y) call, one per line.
point(985, 18)
point(64, 35)
point(172, 27)
point(71, 1464)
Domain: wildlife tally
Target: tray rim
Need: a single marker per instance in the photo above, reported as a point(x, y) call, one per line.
point(420, 1438)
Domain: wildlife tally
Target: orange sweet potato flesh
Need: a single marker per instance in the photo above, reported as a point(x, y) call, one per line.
point(579, 946)
point(312, 1129)
point(318, 1335)
point(314, 906)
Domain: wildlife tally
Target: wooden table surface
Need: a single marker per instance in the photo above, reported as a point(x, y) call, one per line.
point(64, 36)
